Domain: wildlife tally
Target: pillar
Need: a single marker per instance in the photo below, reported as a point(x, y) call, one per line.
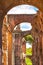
point(34, 57)
point(41, 48)
point(24, 47)
point(1, 21)
point(9, 40)
point(40, 42)
point(35, 47)
point(17, 51)
point(23, 51)
point(6, 44)
point(38, 49)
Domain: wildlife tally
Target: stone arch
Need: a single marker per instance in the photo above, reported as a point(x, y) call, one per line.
point(6, 5)
point(17, 19)
point(37, 26)
point(16, 3)
point(9, 4)
point(21, 18)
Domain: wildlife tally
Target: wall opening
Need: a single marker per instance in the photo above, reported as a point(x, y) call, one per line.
point(25, 26)
point(27, 47)
point(21, 9)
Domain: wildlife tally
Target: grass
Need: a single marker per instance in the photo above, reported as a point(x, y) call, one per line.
point(28, 61)
point(28, 52)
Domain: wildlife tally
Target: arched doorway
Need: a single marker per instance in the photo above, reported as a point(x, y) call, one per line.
point(21, 30)
point(17, 23)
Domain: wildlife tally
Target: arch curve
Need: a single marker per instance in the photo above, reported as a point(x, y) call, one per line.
point(17, 19)
point(35, 3)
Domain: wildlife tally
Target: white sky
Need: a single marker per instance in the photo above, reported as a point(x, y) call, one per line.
point(25, 26)
point(28, 45)
point(23, 9)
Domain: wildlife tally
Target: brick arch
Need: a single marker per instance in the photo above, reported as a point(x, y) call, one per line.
point(17, 19)
point(5, 6)
point(9, 4)
point(12, 5)
point(35, 21)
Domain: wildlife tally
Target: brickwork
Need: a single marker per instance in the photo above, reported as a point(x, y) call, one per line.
point(5, 6)
point(36, 57)
point(17, 51)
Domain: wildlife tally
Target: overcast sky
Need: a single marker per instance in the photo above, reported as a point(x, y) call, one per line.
point(23, 9)
point(28, 45)
point(25, 26)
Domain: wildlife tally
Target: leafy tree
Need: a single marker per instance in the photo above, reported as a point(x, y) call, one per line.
point(29, 38)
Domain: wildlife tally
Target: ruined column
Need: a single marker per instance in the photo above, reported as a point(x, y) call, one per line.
point(17, 51)
point(1, 22)
point(35, 47)
point(9, 41)
point(41, 49)
point(23, 51)
point(40, 42)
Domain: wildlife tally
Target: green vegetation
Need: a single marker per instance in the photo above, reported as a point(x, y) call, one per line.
point(29, 38)
point(28, 61)
point(29, 51)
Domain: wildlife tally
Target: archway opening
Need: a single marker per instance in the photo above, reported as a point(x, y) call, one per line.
point(26, 41)
point(25, 26)
point(9, 25)
point(23, 9)
point(27, 49)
